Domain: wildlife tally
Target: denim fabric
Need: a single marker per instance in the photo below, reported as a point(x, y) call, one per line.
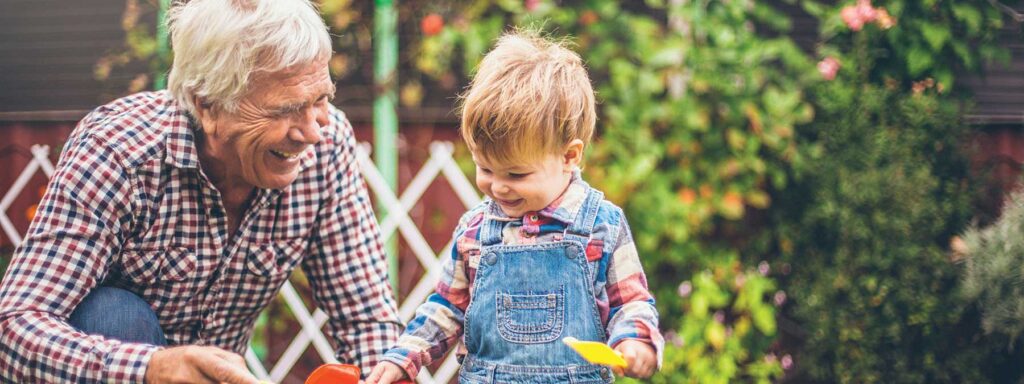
point(526, 299)
point(117, 314)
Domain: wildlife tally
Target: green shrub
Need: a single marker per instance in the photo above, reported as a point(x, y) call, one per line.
point(866, 230)
point(872, 283)
point(994, 275)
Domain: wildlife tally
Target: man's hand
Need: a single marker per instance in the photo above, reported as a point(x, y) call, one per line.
point(386, 373)
point(195, 364)
point(641, 359)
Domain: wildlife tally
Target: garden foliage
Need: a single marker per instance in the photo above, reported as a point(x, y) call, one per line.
point(840, 165)
point(793, 204)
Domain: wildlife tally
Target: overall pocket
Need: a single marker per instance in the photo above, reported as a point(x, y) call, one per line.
point(531, 317)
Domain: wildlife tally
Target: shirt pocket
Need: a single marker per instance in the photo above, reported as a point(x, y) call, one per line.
point(267, 267)
point(531, 317)
point(274, 260)
point(147, 267)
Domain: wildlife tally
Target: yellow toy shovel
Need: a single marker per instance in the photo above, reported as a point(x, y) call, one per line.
point(595, 352)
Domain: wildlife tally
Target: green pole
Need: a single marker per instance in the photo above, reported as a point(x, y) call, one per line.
point(163, 48)
point(385, 118)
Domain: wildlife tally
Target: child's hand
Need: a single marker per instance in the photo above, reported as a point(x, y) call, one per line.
point(641, 359)
point(386, 372)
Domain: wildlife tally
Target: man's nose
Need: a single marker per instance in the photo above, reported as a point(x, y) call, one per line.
point(307, 129)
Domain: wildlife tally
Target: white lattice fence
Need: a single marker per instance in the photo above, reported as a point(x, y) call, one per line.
point(440, 164)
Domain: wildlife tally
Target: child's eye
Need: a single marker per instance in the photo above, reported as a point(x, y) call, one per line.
point(518, 175)
point(485, 171)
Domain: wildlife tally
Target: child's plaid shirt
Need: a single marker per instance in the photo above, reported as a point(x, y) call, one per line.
point(623, 300)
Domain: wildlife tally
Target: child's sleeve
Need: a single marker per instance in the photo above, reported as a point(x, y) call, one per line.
point(632, 314)
point(437, 325)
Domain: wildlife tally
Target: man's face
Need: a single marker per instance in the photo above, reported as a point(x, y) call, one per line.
point(260, 144)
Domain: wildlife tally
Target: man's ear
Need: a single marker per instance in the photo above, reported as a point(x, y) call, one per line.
point(572, 156)
point(205, 114)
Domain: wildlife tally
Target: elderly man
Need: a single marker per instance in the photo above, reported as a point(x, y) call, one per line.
point(174, 217)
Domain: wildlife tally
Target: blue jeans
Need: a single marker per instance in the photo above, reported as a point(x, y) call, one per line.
point(117, 314)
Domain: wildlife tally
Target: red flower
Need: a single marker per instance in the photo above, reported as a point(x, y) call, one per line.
point(432, 24)
point(531, 5)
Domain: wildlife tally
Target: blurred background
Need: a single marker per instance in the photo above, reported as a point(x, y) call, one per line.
point(814, 186)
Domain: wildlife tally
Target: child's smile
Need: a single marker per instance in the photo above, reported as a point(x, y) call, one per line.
point(526, 187)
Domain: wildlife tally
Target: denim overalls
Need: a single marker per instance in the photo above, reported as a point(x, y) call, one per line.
point(526, 298)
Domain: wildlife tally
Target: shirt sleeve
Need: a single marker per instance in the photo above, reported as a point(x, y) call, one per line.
point(76, 233)
point(632, 312)
point(347, 267)
point(438, 323)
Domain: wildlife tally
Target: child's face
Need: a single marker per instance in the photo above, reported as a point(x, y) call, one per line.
point(527, 187)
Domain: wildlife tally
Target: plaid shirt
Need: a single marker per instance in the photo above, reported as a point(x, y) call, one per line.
point(129, 206)
point(623, 300)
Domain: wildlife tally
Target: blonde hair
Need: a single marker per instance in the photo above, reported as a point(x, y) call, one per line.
point(530, 97)
point(220, 44)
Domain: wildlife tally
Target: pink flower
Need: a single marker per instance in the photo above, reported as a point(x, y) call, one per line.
point(787, 362)
point(855, 16)
point(685, 288)
point(531, 5)
point(828, 67)
point(779, 298)
point(852, 18)
point(866, 11)
point(674, 338)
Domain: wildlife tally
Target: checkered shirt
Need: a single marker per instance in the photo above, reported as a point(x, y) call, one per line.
point(130, 207)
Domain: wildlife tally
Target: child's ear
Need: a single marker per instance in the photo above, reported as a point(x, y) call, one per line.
point(573, 154)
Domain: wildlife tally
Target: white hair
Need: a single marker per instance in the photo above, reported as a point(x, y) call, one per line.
point(220, 44)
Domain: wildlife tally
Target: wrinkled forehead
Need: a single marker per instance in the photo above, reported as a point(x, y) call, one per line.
point(302, 81)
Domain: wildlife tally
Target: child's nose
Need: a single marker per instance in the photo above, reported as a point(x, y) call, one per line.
point(499, 188)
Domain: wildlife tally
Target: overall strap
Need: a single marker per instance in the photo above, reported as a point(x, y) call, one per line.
point(583, 225)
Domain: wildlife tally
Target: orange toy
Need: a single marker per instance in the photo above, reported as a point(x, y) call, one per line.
point(338, 374)
point(334, 374)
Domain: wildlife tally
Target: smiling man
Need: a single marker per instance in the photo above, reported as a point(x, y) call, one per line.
point(174, 217)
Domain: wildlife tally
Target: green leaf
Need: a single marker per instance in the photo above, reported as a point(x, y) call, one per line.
point(919, 60)
point(944, 77)
point(764, 319)
point(968, 14)
point(935, 35)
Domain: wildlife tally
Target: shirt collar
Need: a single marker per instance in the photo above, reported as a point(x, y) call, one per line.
point(564, 208)
point(180, 141)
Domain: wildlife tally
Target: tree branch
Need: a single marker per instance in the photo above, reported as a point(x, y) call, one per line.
point(1016, 16)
